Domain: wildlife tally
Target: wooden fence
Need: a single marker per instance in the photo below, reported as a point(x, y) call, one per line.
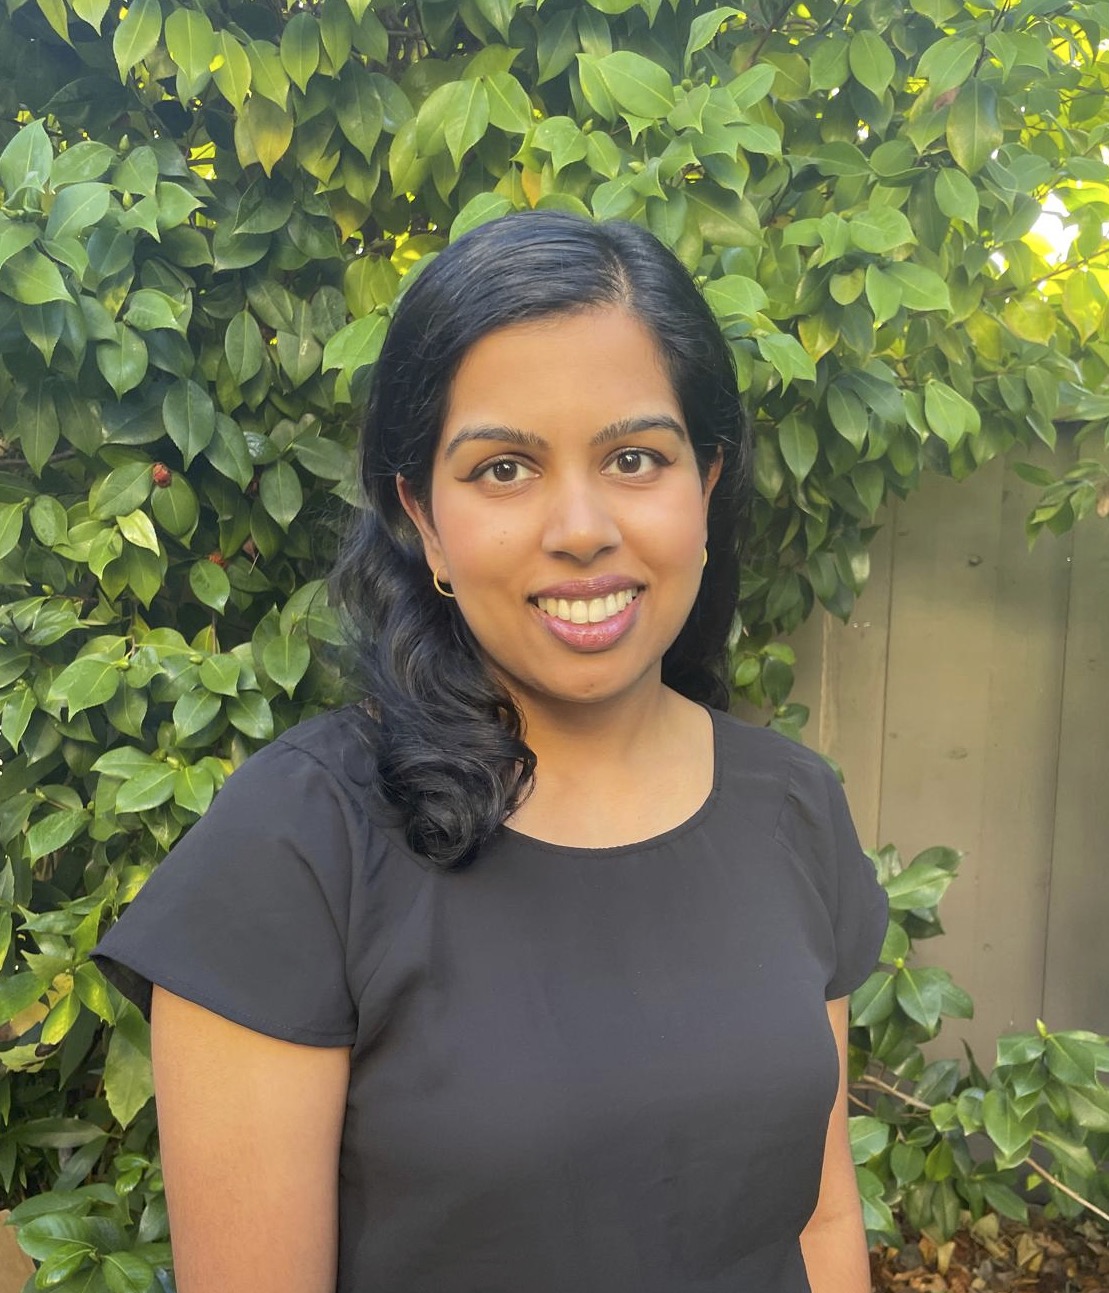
point(967, 701)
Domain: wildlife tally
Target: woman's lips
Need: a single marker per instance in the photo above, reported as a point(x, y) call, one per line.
point(598, 636)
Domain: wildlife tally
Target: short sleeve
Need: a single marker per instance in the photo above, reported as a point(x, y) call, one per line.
point(248, 913)
point(816, 825)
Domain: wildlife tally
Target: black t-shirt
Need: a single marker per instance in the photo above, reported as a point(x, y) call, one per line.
point(572, 1070)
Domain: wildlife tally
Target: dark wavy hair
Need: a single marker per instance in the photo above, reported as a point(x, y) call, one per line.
point(449, 752)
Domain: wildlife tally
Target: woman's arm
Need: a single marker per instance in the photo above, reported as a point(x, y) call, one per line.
point(834, 1241)
point(249, 1129)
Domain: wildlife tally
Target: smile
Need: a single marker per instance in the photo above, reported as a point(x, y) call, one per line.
point(594, 611)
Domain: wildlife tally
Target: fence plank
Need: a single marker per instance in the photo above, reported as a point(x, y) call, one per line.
point(1076, 988)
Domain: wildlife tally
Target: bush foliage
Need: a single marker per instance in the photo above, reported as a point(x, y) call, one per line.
point(208, 210)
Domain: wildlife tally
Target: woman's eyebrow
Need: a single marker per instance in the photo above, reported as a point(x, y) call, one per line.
point(529, 440)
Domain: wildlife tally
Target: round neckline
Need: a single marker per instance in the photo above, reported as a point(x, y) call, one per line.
point(519, 839)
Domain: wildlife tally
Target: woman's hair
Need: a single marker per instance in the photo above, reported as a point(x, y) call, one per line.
point(449, 749)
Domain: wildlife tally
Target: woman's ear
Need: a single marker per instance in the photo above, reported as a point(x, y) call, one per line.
point(433, 554)
point(711, 477)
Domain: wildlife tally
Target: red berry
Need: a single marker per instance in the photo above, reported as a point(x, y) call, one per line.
point(216, 558)
point(162, 475)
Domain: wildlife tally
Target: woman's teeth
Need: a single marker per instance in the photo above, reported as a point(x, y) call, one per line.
point(590, 612)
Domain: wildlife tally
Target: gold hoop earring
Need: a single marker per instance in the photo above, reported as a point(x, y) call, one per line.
point(443, 592)
point(704, 558)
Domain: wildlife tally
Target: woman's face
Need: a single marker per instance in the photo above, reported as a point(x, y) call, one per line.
point(566, 510)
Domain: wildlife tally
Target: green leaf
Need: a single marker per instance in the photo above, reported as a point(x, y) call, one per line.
point(91, 11)
point(1011, 1134)
point(128, 1082)
point(210, 584)
point(787, 357)
point(122, 490)
point(14, 237)
point(228, 452)
point(17, 993)
point(32, 279)
point(194, 710)
point(263, 133)
point(557, 45)
point(11, 526)
point(190, 418)
point(453, 117)
point(481, 208)
point(148, 309)
point(869, 1136)
point(356, 345)
point(54, 831)
point(176, 508)
point(85, 683)
point(633, 83)
point(920, 885)
point(1005, 1201)
point(735, 296)
point(871, 61)
point(921, 288)
point(298, 351)
point(220, 673)
point(127, 1272)
point(16, 714)
point(1071, 1058)
point(359, 109)
point(974, 126)
point(76, 208)
point(280, 492)
point(920, 995)
point(232, 73)
point(1085, 303)
point(137, 528)
point(300, 48)
point(873, 1001)
point(251, 714)
point(880, 229)
point(562, 138)
point(509, 106)
point(137, 35)
point(704, 30)
point(194, 788)
point(956, 196)
point(1076, 1157)
point(268, 77)
point(798, 444)
point(949, 415)
point(125, 761)
point(137, 173)
point(122, 362)
point(948, 62)
point(191, 44)
point(26, 161)
point(286, 660)
point(87, 160)
point(146, 790)
point(1090, 1107)
point(906, 1162)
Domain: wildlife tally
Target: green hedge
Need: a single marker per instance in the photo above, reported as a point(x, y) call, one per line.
point(207, 212)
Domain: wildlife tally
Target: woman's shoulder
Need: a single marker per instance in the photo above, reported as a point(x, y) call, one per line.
point(771, 775)
point(748, 746)
point(334, 746)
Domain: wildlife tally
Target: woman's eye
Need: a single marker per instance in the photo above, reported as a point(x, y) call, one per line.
point(634, 462)
point(505, 471)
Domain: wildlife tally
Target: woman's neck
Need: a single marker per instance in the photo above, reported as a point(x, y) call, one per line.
point(614, 773)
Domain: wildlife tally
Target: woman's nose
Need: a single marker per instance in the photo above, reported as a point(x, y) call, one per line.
point(578, 522)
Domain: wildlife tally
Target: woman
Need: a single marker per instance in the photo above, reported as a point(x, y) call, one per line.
point(529, 974)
